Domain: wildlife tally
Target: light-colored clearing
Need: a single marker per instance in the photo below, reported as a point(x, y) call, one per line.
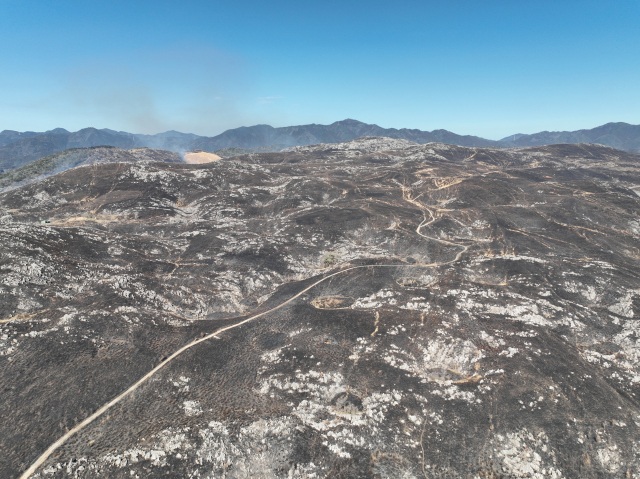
point(197, 158)
point(75, 220)
point(18, 317)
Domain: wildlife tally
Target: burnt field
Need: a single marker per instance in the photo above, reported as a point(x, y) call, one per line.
point(369, 309)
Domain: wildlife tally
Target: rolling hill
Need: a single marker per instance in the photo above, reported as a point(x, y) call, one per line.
point(374, 309)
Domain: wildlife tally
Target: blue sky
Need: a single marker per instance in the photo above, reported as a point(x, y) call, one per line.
point(488, 68)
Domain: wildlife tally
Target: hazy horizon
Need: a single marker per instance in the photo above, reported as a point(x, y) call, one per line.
point(489, 69)
point(281, 126)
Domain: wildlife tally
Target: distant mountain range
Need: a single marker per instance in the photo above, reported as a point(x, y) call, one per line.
point(19, 148)
point(622, 136)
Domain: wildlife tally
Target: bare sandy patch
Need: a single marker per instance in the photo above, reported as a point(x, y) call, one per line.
point(331, 302)
point(101, 218)
point(197, 158)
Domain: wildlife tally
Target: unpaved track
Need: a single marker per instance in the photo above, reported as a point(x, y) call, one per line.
point(99, 412)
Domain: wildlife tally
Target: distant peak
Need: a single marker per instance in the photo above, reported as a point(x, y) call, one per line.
point(173, 132)
point(349, 121)
point(617, 123)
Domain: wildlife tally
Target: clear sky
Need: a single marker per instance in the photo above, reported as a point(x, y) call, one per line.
point(489, 68)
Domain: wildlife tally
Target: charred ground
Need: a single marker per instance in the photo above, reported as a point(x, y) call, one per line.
point(490, 330)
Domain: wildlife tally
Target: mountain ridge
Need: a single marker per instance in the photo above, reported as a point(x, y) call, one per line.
point(18, 148)
point(620, 135)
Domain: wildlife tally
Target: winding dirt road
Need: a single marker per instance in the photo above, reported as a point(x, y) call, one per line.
point(99, 412)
